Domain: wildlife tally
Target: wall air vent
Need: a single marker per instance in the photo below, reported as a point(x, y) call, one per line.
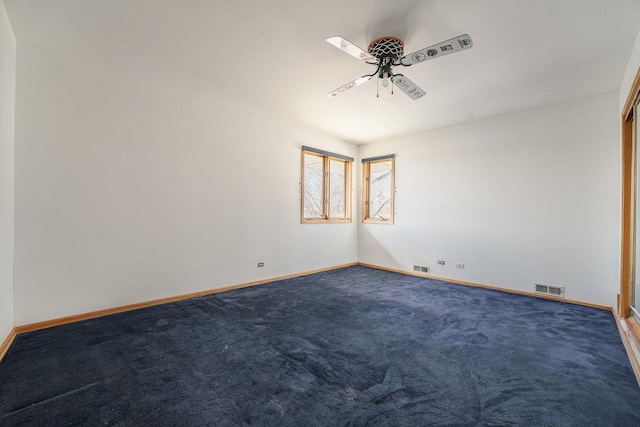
point(421, 269)
point(553, 290)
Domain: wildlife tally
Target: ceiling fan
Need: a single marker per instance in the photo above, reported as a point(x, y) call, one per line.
point(387, 52)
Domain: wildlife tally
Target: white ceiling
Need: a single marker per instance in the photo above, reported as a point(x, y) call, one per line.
point(272, 55)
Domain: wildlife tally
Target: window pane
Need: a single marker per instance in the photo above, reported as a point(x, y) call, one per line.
point(312, 186)
point(380, 190)
point(337, 177)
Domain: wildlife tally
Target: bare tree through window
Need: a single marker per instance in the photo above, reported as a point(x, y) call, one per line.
point(378, 190)
point(313, 181)
point(337, 181)
point(326, 188)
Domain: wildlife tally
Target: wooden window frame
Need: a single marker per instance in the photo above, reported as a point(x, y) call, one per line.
point(628, 208)
point(366, 172)
point(326, 188)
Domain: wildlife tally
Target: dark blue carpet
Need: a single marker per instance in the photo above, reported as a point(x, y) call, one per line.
point(355, 346)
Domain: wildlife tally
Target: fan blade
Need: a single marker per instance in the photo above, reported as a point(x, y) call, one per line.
point(356, 82)
point(407, 86)
point(353, 50)
point(447, 47)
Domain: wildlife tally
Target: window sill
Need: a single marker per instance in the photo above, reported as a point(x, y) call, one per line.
point(325, 221)
point(377, 221)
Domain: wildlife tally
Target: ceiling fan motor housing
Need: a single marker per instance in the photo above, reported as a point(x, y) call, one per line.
point(387, 47)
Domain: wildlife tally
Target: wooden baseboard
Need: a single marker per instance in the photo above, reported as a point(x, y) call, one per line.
point(4, 347)
point(480, 285)
point(99, 313)
point(630, 334)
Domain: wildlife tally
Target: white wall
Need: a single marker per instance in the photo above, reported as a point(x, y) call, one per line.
point(528, 197)
point(630, 73)
point(7, 114)
point(133, 183)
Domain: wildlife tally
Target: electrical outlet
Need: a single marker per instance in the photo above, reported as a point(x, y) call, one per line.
point(459, 264)
point(261, 264)
point(441, 262)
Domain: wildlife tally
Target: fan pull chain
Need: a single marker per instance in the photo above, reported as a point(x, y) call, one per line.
point(377, 87)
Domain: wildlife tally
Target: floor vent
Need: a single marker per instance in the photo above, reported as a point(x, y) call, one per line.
point(421, 269)
point(554, 290)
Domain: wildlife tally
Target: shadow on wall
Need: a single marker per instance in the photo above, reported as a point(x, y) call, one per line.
point(373, 251)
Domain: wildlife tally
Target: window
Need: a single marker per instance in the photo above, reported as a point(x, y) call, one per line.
point(629, 301)
point(326, 186)
point(378, 189)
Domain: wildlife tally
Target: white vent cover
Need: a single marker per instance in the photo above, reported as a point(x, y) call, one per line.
point(421, 269)
point(554, 290)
